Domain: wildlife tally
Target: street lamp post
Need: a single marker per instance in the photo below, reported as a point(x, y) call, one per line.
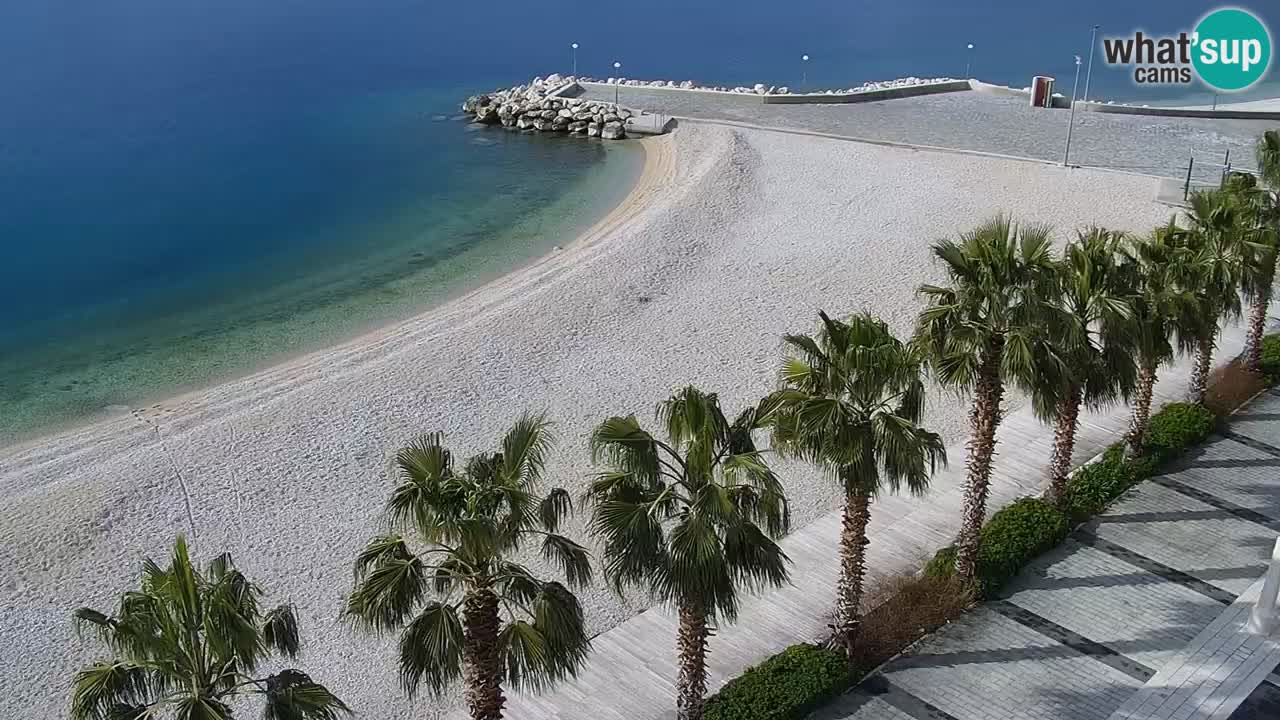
point(617, 80)
point(1093, 50)
point(968, 61)
point(575, 59)
point(1067, 152)
point(804, 73)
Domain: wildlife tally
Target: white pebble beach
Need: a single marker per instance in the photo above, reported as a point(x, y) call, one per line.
point(731, 238)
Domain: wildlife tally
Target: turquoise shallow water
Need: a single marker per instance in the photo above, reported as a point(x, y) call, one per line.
point(508, 198)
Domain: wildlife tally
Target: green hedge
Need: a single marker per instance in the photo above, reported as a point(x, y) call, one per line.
point(787, 686)
point(1271, 357)
point(1177, 427)
point(1094, 486)
point(1011, 538)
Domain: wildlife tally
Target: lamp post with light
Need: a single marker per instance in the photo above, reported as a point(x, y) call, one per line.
point(968, 61)
point(617, 80)
point(804, 73)
point(575, 59)
point(1093, 48)
point(1072, 123)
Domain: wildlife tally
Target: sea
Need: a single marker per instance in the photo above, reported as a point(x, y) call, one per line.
point(191, 190)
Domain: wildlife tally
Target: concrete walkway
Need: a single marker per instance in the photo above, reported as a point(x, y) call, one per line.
point(1137, 616)
point(1003, 125)
point(631, 672)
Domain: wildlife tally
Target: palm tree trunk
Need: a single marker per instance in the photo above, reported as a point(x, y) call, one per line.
point(853, 567)
point(481, 662)
point(1200, 373)
point(691, 645)
point(983, 421)
point(1064, 443)
point(1257, 325)
point(1141, 408)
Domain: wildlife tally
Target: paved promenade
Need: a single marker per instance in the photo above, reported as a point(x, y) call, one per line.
point(631, 671)
point(985, 123)
point(1137, 616)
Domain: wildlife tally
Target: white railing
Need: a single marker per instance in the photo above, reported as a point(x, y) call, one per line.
point(1263, 619)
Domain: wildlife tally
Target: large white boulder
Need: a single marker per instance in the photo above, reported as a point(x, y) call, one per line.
point(612, 131)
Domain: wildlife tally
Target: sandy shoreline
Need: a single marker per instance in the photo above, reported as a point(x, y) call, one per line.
point(730, 238)
point(657, 161)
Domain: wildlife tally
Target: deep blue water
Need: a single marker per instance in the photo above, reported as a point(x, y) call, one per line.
point(190, 188)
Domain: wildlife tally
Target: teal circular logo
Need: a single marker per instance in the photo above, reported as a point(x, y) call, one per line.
point(1231, 49)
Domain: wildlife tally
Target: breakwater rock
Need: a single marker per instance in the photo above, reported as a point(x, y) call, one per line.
point(761, 88)
point(539, 107)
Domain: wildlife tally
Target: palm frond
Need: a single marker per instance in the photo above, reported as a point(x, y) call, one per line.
point(185, 587)
point(87, 620)
point(623, 444)
point(525, 448)
point(387, 592)
point(754, 559)
point(280, 631)
point(427, 494)
point(293, 695)
point(634, 542)
point(558, 617)
point(231, 618)
point(525, 655)
point(697, 568)
point(103, 686)
point(909, 454)
point(431, 649)
point(515, 583)
point(202, 707)
point(570, 557)
point(125, 711)
point(556, 506)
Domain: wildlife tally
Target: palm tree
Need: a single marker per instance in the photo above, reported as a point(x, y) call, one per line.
point(1259, 212)
point(1268, 156)
point(1165, 314)
point(851, 402)
point(490, 620)
point(691, 519)
point(1093, 340)
point(1214, 270)
point(187, 643)
point(984, 329)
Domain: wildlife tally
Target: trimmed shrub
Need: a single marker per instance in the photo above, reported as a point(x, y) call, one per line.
point(1271, 357)
point(1175, 428)
point(1010, 539)
point(1013, 536)
point(1094, 486)
point(943, 564)
point(787, 686)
